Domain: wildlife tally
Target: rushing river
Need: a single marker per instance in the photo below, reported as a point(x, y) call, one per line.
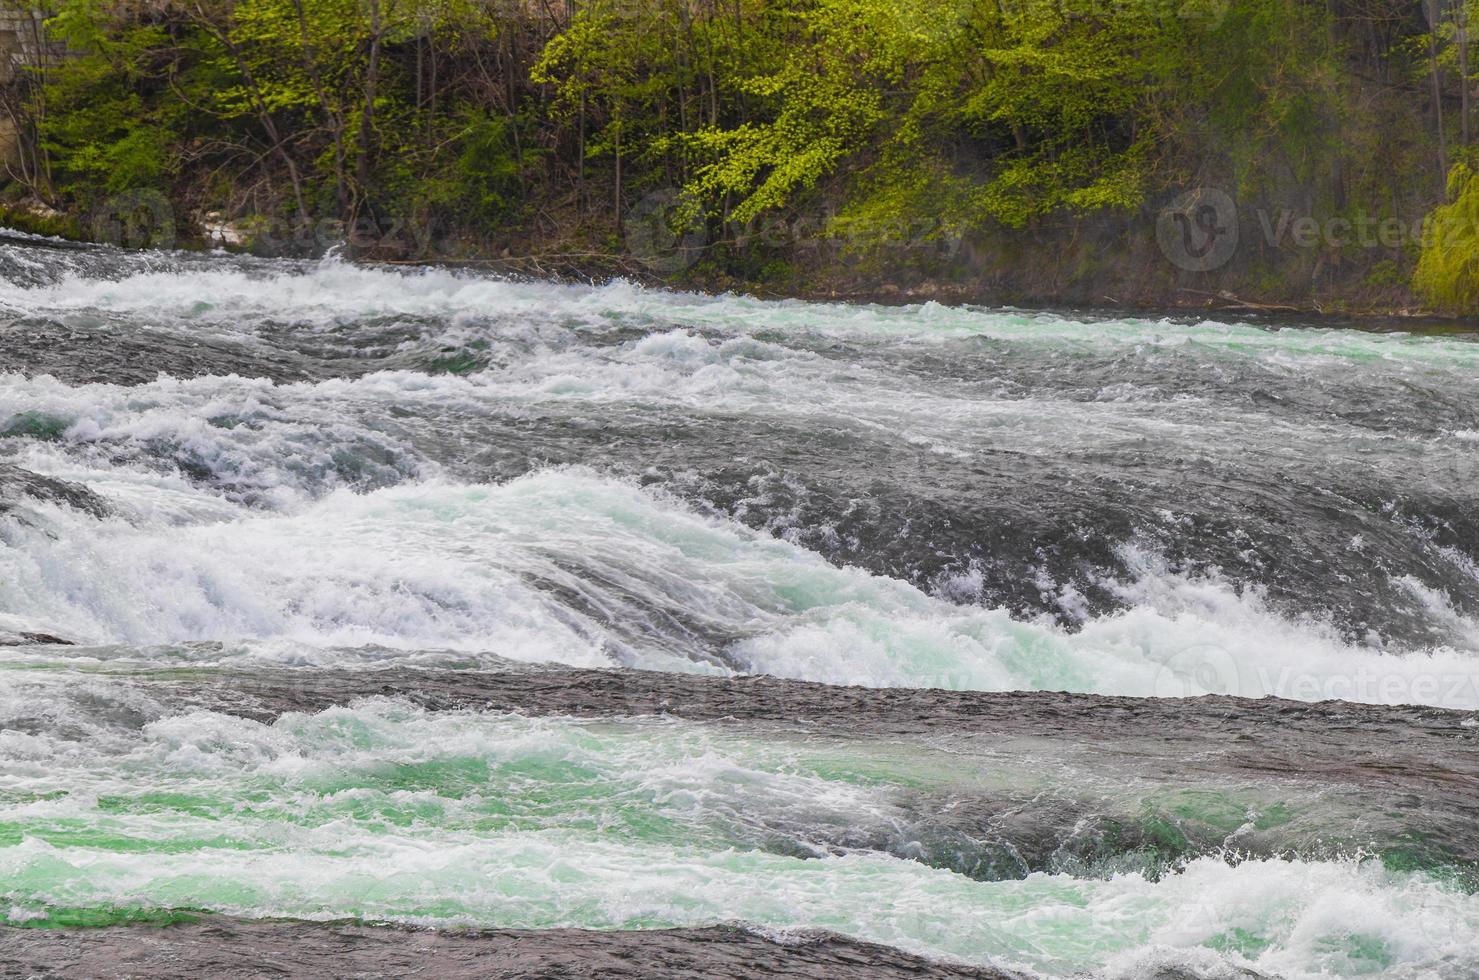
point(425, 598)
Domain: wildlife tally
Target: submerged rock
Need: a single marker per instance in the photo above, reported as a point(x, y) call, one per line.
point(16, 483)
point(26, 639)
point(222, 946)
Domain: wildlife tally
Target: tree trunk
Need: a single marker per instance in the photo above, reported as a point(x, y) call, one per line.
point(580, 161)
point(367, 117)
point(1461, 22)
point(332, 119)
point(43, 163)
point(1433, 20)
point(264, 115)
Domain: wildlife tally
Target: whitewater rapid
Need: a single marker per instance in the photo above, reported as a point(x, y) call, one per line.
point(566, 566)
point(320, 467)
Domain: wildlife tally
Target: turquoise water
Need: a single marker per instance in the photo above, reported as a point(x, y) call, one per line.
point(324, 468)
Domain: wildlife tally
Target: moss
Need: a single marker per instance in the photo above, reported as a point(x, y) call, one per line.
point(1447, 274)
point(65, 226)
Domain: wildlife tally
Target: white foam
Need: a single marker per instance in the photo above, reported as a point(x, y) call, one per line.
point(333, 293)
point(382, 811)
point(1286, 918)
point(376, 810)
point(572, 567)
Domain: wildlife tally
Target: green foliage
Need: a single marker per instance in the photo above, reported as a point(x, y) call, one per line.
point(100, 123)
point(487, 169)
point(482, 180)
point(965, 113)
point(878, 120)
point(820, 105)
point(1447, 273)
point(60, 226)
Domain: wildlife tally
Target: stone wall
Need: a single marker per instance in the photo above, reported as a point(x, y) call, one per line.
point(22, 40)
point(23, 44)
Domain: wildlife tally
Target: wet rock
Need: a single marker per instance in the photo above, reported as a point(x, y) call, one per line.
point(218, 230)
point(16, 484)
point(25, 639)
point(79, 353)
point(221, 946)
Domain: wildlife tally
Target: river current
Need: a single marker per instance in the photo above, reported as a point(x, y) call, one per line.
point(1039, 643)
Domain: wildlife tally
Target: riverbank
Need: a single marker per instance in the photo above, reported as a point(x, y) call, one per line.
point(1029, 284)
point(1113, 263)
point(1266, 159)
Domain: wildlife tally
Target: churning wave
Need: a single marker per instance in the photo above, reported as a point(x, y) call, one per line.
point(570, 567)
point(387, 813)
point(212, 466)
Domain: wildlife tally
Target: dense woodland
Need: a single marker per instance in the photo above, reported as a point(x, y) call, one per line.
point(755, 129)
